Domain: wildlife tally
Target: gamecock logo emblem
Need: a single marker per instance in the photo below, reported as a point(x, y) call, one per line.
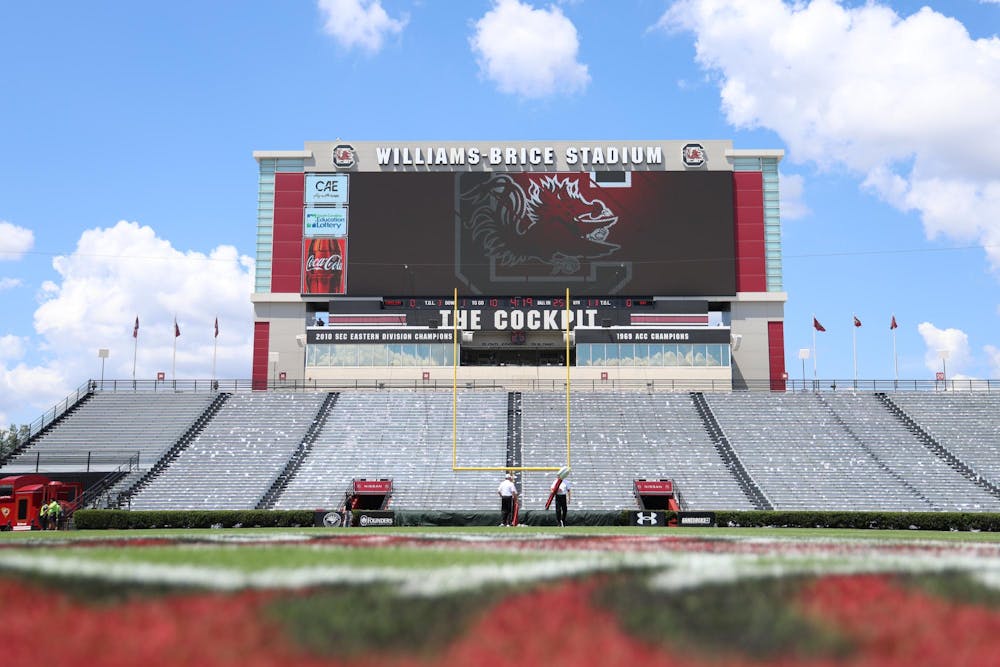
point(693, 155)
point(344, 156)
point(552, 223)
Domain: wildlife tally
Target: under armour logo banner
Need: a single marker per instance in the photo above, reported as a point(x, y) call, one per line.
point(649, 519)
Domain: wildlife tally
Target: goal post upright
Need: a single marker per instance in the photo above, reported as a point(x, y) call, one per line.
point(454, 383)
point(567, 377)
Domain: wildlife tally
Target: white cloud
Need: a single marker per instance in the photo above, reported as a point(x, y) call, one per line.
point(14, 240)
point(9, 283)
point(952, 343)
point(362, 24)
point(908, 103)
point(993, 354)
point(113, 275)
point(793, 207)
point(11, 347)
point(529, 52)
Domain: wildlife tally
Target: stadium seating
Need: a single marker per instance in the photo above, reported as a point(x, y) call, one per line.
point(231, 464)
point(967, 424)
point(406, 436)
point(112, 427)
point(618, 437)
point(838, 450)
point(901, 450)
point(826, 450)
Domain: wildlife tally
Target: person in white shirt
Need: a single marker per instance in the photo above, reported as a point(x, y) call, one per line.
point(563, 496)
point(508, 496)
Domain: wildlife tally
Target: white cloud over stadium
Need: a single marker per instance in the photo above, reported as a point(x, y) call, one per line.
point(14, 241)
point(359, 24)
point(907, 103)
point(529, 52)
point(113, 275)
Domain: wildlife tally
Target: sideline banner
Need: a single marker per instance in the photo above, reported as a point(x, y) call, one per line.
point(328, 519)
point(374, 518)
point(696, 519)
point(648, 518)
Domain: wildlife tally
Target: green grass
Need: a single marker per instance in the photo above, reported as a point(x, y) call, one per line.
point(294, 556)
point(791, 533)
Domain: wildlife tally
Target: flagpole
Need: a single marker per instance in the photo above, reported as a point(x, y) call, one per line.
point(215, 348)
point(854, 332)
point(135, 349)
point(173, 368)
point(814, 351)
point(895, 357)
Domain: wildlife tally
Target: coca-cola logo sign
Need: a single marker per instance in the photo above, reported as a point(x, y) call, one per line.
point(324, 266)
point(331, 263)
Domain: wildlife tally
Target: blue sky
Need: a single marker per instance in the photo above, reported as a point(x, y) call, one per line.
point(128, 186)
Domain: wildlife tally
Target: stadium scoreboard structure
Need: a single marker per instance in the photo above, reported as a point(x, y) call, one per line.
point(670, 251)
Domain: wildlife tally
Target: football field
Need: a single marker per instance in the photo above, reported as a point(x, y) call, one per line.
point(530, 595)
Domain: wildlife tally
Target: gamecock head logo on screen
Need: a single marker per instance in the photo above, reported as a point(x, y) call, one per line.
point(552, 223)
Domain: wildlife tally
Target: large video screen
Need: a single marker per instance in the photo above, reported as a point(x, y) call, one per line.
point(534, 234)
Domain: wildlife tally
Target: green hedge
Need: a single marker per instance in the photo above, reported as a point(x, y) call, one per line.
point(103, 519)
point(984, 521)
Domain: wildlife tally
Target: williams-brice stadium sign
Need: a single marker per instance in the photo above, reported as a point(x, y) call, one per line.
point(516, 156)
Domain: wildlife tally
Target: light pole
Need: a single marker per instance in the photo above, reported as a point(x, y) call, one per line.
point(803, 355)
point(103, 354)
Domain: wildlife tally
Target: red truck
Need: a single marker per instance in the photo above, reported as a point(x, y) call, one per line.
point(22, 497)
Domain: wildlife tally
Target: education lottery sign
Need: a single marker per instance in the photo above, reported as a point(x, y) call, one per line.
point(326, 222)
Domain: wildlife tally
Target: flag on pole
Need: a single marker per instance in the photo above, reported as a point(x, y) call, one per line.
point(817, 326)
point(857, 322)
point(216, 327)
point(893, 325)
point(135, 329)
point(177, 329)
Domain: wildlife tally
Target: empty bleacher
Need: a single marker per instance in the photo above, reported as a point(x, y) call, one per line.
point(407, 437)
point(111, 427)
point(826, 450)
point(618, 437)
point(966, 423)
point(233, 461)
point(900, 449)
point(804, 458)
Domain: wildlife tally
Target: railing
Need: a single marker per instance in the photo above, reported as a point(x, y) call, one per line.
point(47, 459)
point(53, 413)
point(889, 386)
point(664, 385)
point(594, 385)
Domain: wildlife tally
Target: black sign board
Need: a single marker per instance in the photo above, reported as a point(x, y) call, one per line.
point(648, 519)
point(374, 518)
point(338, 336)
point(328, 519)
point(696, 519)
point(715, 335)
